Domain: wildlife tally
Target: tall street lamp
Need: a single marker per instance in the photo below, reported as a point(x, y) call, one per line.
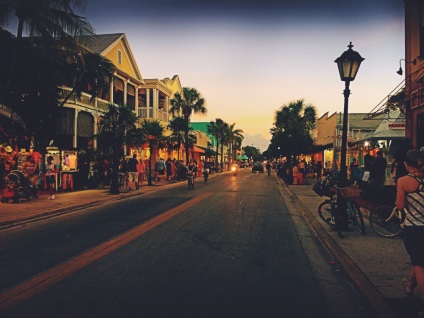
point(348, 64)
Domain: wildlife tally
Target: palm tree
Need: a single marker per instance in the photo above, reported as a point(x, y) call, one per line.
point(217, 129)
point(235, 138)
point(51, 25)
point(223, 140)
point(116, 130)
point(292, 126)
point(184, 105)
point(177, 127)
point(89, 72)
point(49, 19)
point(153, 132)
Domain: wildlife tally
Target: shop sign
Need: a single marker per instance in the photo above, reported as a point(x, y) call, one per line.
point(397, 126)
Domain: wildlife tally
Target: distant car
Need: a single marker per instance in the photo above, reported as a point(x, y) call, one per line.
point(243, 164)
point(258, 167)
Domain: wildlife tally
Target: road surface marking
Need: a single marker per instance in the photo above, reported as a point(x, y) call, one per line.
point(55, 274)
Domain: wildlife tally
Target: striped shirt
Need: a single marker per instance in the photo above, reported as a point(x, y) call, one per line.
point(414, 205)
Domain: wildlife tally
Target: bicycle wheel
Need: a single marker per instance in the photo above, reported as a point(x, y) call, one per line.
point(384, 223)
point(326, 212)
point(356, 217)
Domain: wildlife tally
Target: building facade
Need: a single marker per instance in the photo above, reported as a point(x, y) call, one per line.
point(414, 72)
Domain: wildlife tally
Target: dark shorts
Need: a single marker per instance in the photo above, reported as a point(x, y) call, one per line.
point(161, 172)
point(50, 179)
point(413, 240)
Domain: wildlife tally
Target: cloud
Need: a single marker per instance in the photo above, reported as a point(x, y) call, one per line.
point(256, 140)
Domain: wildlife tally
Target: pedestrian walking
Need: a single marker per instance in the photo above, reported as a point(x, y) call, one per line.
point(398, 166)
point(379, 169)
point(160, 168)
point(410, 198)
point(168, 169)
point(355, 172)
point(50, 177)
point(141, 170)
point(368, 167)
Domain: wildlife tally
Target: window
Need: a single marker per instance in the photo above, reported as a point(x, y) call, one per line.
point(131, 96)
point(119, 57)
point(118, 91)
point(151, 98)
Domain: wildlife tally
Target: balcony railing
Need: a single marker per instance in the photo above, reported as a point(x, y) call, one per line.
point(83, 100)
point(163, 116)
point(147, 113)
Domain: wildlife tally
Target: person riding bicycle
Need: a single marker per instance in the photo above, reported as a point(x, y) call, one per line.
point(191, 169)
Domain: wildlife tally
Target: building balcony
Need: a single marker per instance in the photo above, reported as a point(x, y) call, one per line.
point(147, 113)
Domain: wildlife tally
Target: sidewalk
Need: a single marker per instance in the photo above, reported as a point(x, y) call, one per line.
point(17, 213)
point(67, 201)
point(376, 265)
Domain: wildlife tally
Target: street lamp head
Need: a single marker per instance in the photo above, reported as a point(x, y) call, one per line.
point(400, 71)
point(348, 64)
point(113, 115)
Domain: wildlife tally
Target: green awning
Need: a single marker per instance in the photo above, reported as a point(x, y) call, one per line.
point(208, 151)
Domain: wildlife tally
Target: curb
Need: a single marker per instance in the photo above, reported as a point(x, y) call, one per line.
point(37, 216)
point(361, 282)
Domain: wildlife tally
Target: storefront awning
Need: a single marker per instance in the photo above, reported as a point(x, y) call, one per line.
point(318, 148)
point(208, 151)
point(197, 149)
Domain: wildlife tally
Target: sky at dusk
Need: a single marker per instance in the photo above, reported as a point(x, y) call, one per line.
point(248, 58)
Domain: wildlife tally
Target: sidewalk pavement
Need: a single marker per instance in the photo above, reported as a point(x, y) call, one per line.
point(12, 214)
point(376, 265)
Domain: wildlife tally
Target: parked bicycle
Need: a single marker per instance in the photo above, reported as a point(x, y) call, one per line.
point(387, 221)
point(327, 210)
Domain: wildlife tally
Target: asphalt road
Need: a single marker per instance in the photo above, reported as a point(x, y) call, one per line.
point(228, 248)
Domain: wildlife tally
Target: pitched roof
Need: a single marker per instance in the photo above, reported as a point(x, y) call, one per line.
point(102, 41)
point(356, 121)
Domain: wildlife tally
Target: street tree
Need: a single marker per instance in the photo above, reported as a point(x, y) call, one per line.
point(38, 64)
point(184, 105)
point(217, 129)
point(292, 126)
point(235, 139)
point(177, 138)
point(252, 153)
point(88, 72)
point(124, 133)
point(49, 19)
point(153, 133)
